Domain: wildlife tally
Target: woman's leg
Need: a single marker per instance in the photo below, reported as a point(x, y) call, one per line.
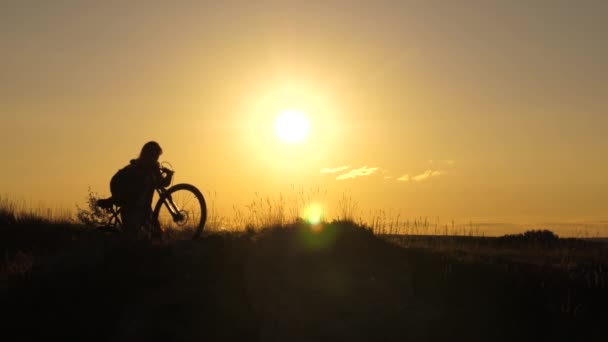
point(132, 219)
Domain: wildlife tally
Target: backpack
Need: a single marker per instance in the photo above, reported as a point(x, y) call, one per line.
point(121, 184)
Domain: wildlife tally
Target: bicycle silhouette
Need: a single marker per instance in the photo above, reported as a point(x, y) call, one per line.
point(180, 212)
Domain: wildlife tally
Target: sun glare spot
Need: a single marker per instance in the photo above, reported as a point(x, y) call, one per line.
point(313, 214)
point(291, 126)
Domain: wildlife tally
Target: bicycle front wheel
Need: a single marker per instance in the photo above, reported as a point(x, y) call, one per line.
point(181, 212)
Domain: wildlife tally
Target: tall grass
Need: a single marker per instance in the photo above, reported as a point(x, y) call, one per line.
point(289, 207)
point(266, 211)
point(19, 212)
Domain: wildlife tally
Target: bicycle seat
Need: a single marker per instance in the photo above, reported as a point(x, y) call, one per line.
point(106, 203)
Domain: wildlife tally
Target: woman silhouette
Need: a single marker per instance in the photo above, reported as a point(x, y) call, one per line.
point(134, 189)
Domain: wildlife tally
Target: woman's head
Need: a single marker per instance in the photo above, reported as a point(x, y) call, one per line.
point(150, 152)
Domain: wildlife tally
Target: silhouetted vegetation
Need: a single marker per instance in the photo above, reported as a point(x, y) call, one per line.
point(92, 215)
point(297, 282)
point(541, 236)
point(7, 214)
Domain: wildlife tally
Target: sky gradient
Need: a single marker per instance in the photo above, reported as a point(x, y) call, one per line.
point(491, 111)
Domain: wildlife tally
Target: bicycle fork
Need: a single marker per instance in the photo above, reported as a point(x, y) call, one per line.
point(173, 209)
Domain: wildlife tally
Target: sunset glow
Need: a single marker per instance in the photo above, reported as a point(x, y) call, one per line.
point(280, 170)
point(421, 109)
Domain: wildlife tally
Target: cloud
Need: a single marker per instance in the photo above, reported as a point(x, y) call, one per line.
point(388, 177)
point(404, 178)
point(363, 171)
point(427, 174)
point(335, 169)
point(450, 162)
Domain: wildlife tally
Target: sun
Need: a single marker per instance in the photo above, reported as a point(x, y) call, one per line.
point(291, 126)
point(313, 214)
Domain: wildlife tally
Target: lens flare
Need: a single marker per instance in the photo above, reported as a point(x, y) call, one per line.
point(313, 214)
point(317, 237)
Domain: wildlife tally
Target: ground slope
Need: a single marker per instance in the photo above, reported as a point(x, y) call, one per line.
point(295, 283)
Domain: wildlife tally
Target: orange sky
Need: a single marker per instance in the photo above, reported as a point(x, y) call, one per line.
point(486, 111)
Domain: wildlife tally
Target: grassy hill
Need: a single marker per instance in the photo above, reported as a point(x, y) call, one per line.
point(337, 282)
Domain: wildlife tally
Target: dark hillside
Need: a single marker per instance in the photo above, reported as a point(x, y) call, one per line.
point(293, 283)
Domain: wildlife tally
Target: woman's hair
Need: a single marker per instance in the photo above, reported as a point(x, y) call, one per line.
point(150, 151)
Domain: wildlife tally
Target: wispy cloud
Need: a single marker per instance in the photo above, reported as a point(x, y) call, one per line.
point(427, 174)
point(362, 171)
point(450, 162)
point(388, 177)
point(404, 178)
point(334, 169)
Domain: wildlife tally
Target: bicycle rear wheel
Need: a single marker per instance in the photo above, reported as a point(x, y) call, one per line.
point(181, 212)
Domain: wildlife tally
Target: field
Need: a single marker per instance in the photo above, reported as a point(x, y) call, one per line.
point(333, 282)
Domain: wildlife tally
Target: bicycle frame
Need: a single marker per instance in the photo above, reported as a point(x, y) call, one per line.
point(115, 221)
point(169, 204)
